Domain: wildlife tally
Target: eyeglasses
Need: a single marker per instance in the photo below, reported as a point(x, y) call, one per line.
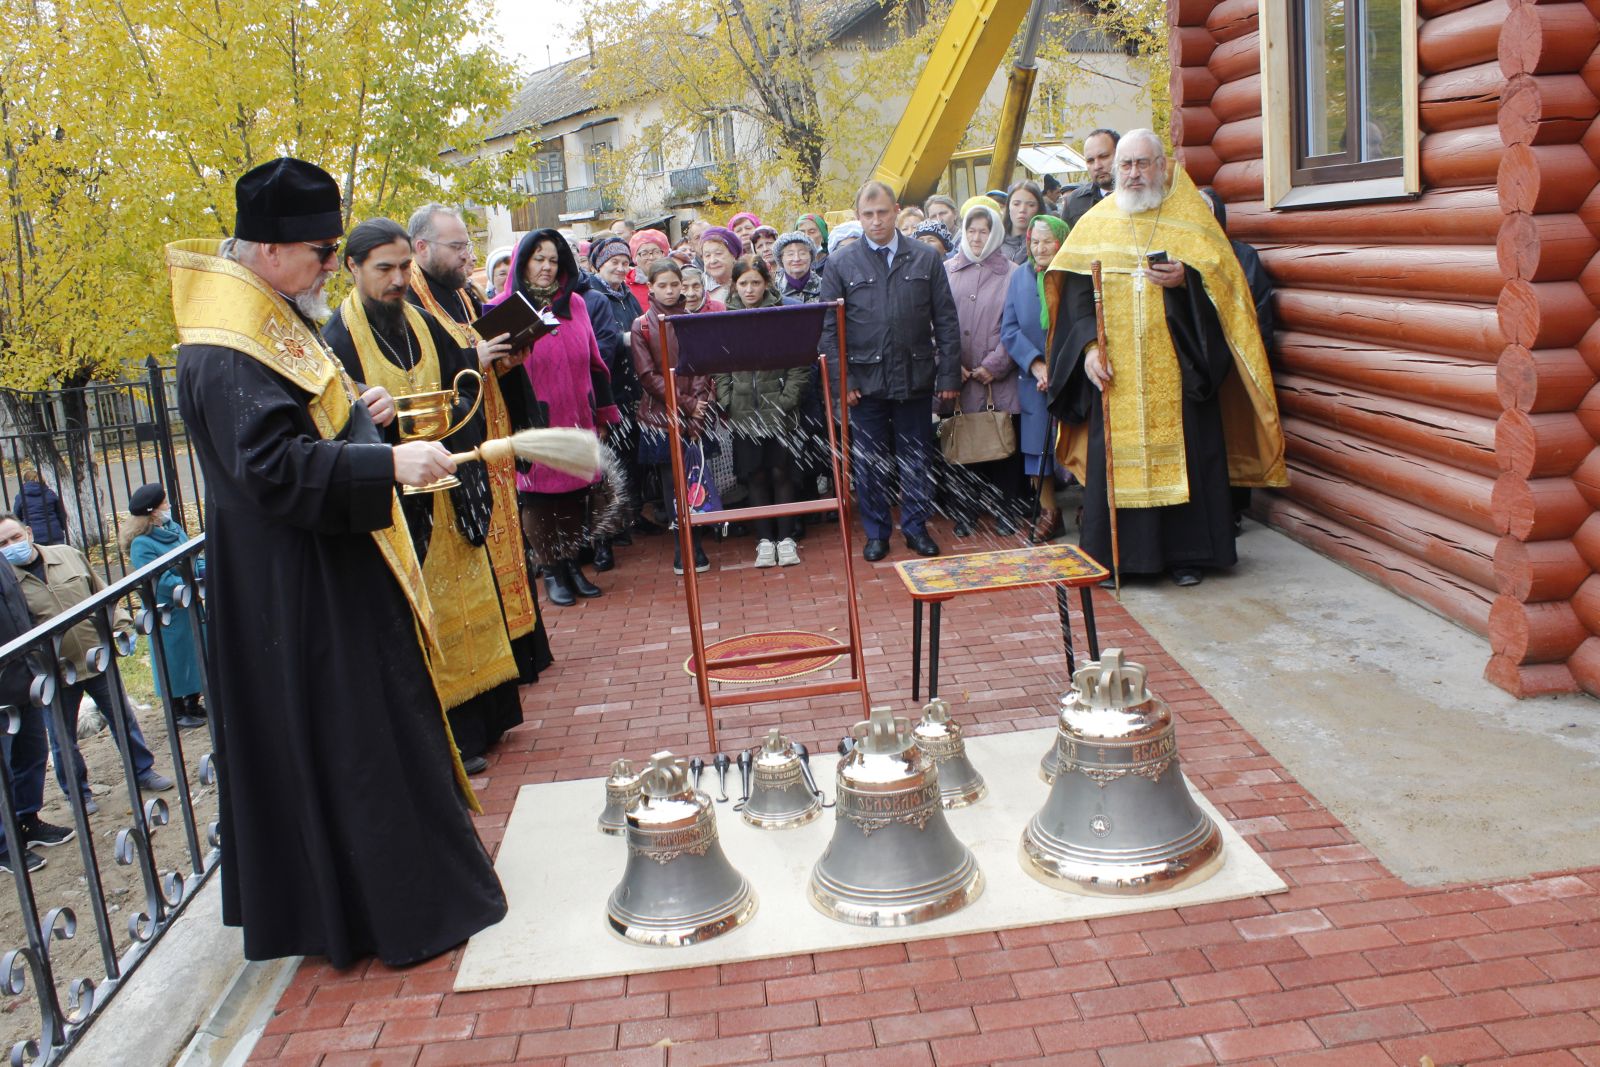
point(456, 246)
point(1143, 165)
point(324, 252)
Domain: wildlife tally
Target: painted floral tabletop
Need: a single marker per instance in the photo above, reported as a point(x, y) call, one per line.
point(1015, 568)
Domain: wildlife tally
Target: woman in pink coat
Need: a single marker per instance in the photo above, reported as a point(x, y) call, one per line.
point(979, 277)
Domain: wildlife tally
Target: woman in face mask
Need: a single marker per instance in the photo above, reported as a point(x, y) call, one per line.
point(150, 533)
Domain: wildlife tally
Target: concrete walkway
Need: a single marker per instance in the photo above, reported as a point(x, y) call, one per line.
point(1379, 708)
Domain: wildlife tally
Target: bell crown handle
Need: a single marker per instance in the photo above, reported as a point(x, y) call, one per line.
point(455, 394)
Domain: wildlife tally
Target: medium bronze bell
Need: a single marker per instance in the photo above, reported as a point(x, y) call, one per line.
point(939, 737)
point(678, 887)
point(779, 796)
point(621, 788)
point(1119, 820)
point(893, 859)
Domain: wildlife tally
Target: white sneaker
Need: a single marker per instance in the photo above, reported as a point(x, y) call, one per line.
point(766, 554)
point(788, 553)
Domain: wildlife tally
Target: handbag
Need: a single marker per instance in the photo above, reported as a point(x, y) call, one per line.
point(978, 437)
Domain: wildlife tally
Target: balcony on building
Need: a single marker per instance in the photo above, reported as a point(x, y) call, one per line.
point(701, 184)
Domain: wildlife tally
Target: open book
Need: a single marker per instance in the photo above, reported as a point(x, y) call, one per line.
point(516, 316)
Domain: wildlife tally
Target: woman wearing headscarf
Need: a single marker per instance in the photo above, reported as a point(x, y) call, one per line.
point(612, 309)
point(151, 532)
point(815, 227)
point(1023, 329)
point(498, 270)
point(979, 274)
point(571, 387)
point(646, 246)
point(719, 247)
point(936, 234)
point(744, 225)
point(844, 235)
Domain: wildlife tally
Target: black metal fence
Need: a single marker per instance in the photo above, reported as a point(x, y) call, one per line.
point(67, 1005)
point(94, 445)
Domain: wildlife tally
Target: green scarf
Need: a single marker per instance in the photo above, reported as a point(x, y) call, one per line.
point(821, 225)
point(1060, 227)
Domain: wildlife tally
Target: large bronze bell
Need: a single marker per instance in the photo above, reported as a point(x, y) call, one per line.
point(940, 738)
point(1119, 820)
point(622, 787)
point(893, 860)
point(678, 887)
point(780, 798)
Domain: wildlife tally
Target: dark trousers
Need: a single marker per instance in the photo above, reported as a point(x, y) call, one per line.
point(25, 752)
point(98, 687)
point(767, 470)
point(903, 428)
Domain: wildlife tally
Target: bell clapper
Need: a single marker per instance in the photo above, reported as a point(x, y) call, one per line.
point(721, 762)
point(811, 781)
point(697, 767)
point(745, 760)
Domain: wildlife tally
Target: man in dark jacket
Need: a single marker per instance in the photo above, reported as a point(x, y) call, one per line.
point(26, 751)
point(40, 509)
point(1099, 153)
point(905, 343)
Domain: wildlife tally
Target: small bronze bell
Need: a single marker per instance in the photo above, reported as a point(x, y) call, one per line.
point(678, 888)
point(939, 737)
point(621, 789)
point(779, 796)
point(893, 859)
point(1119, 820)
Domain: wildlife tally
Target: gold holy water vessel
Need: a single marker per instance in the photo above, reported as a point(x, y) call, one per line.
point(426, 417)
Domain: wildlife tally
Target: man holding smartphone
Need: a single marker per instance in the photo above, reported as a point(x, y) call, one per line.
point(1182, 382)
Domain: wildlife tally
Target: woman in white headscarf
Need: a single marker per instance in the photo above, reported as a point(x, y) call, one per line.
point(979, 276)
point(499, 266)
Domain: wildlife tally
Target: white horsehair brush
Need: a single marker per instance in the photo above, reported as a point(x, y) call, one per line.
point(567, 449)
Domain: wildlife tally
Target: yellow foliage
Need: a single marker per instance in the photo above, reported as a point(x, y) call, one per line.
point(125, 124)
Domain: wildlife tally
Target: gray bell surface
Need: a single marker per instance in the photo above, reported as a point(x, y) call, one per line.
point(1119, 820)
point(939, 737)
point(893, 859)
point(780, 798)
point(622, 787)
point(678, 888)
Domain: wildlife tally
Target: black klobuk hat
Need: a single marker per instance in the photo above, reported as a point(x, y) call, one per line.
point(287, 200)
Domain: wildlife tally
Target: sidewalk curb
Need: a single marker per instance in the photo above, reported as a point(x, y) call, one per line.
point(229, 1034)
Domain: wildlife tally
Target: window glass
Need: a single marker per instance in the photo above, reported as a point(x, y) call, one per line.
point(1326, 92)
point(1382, 123)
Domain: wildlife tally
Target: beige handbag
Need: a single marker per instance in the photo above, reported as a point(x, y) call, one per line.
point(979, 437)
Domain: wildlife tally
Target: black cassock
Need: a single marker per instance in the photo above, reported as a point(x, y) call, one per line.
point(1198, 533)
point(343, 833)
point(476, 723)
point(532, 649)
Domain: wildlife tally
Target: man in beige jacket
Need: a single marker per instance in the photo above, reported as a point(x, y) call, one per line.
point(54, 579)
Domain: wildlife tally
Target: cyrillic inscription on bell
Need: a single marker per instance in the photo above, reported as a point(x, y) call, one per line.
point(893, 859)
point(779, 796)
point(678, 888)
point(1119, 820)
point(939, 737)
point(622, 787)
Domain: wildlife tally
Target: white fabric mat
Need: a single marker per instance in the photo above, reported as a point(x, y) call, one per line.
point(558, 871)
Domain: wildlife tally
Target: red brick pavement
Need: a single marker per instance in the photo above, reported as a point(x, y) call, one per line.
point(1351, 967)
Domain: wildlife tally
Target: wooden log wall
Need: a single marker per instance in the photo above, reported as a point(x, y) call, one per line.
point(1438, 360)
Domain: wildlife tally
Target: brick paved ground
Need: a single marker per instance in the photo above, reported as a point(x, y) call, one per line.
point(1350, 967)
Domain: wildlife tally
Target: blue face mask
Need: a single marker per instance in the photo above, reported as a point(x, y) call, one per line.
point(18, 552)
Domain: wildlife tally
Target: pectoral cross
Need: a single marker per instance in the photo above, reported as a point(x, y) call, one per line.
point(1139, 273)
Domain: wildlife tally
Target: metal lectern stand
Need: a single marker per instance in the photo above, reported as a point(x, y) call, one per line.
point(755, 339)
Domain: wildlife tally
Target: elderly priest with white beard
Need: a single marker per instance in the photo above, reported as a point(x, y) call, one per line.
point(345, 831)
point(1191, 402)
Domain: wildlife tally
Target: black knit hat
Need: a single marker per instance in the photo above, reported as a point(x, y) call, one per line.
point(287, 200)
point(146, 499)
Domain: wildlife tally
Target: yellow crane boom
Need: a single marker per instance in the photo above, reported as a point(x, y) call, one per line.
point(974, 41)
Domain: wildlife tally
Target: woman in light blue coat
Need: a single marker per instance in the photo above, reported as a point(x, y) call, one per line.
point(150, 534)
point(1023, 329)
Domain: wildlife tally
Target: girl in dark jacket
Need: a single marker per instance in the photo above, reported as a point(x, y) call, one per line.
point(40, 509)
point(696, 395)
point(763, 410)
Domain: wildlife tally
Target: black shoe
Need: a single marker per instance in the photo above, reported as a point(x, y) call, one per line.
point(580, 582)
point(35, 861)
point(963, 529)
point(604, 560)
point(876, 548)
point(35, 831)
point(189, 722)
point(922, 544)
point(475, 765)
point(702, 562)
point(1185, 576)
point(623, 538)
point(557, 590)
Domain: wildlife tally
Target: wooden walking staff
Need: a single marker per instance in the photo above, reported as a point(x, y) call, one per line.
point(1105, 427)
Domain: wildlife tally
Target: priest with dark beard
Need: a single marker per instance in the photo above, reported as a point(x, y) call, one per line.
point(336, 774)
point(383, 341)
point(438, 285)
point(1185, 377)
